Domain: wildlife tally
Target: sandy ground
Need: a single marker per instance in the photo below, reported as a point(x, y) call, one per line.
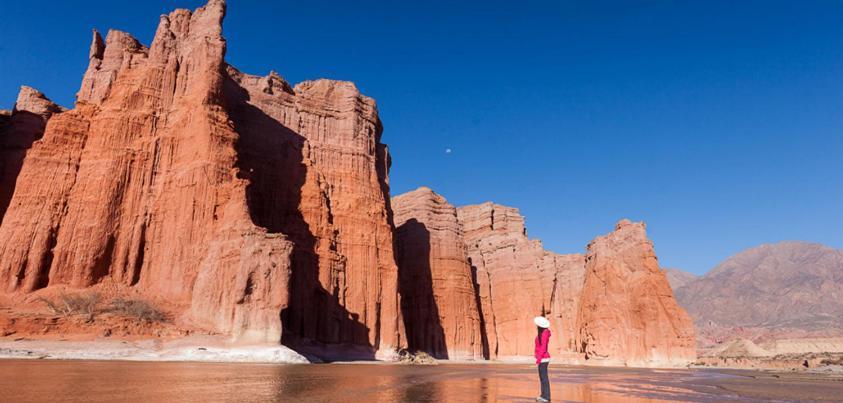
point(190, 348)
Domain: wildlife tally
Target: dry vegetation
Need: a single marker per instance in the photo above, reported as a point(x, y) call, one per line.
point(135, 308)
point(68, 305)
point(89, 304)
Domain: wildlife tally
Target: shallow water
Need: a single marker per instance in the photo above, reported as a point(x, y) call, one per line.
point(110, 381)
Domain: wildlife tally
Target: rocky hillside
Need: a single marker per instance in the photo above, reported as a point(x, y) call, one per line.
point(678, 278)
point(791, 288)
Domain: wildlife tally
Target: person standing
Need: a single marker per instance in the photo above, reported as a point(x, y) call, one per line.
point(542, 356)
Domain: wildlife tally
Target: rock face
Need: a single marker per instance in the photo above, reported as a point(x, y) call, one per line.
point(438, 299)
point(787, 289)
point(245, 201)
point(517, 279)
point(612, 306)
point(18, 130)
point(628, 314)
point(318, 173)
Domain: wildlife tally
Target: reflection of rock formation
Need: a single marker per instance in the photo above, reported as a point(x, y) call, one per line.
point(437, 294)
point(236, 197)
point(628, 314)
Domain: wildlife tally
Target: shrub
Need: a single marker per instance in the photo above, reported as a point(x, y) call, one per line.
point(136, 308)
point(79, 304)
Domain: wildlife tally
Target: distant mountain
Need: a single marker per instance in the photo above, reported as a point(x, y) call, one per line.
point(786, 286)
point(678, 278)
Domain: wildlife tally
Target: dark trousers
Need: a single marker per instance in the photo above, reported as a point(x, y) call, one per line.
point(545, 381)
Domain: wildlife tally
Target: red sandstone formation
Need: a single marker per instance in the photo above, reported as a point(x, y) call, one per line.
point(18, 130)
point(261, 210)
point(243, 200)
point(318, 174)
point(517, 280)
point(435, 280)
point(628, 314)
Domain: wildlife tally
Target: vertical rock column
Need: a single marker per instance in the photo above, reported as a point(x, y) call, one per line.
point(318, 173)
point(438, 299)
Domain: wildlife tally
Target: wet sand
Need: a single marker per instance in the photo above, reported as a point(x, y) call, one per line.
point(113, 381)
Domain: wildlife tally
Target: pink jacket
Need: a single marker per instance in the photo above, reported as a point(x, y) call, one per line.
point(541, 346)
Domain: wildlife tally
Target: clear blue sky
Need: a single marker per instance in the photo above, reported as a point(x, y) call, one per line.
point(719, 123)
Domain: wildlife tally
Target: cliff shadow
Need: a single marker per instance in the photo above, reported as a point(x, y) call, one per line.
point(17, 133)
point(415, 285)
point(484, 334)
point(269, 157)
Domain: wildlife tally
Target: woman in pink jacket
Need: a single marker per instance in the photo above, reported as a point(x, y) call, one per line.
point(542, 356)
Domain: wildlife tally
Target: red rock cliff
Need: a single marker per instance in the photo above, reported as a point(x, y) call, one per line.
point(245, 201)
point(317, 172)
point(438, 299)
point(18, 130)
point(260, 209)
point(628, 315)
point(517, 280)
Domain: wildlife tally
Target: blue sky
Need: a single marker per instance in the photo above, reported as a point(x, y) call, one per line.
point(719, 123)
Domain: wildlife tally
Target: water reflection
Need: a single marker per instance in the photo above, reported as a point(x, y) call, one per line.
point(92, 381)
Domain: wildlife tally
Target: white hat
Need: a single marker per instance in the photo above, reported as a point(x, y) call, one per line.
point(541, 322)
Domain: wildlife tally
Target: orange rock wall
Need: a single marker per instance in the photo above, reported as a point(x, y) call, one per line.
point(438, 298)
point(249, 203)
point(628, 314)
point(20, 128)
point(317, 172)
point(517, 280)
point(610, 307)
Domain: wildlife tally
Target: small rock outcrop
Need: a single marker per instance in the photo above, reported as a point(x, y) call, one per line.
point(628, 314)
point(438, 298)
